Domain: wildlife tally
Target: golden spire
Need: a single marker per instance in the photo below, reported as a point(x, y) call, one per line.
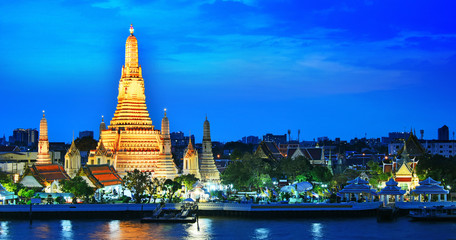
point(131, 29)
point(43, 113)
point(165, 112)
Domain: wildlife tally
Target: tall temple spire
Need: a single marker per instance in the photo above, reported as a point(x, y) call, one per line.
point(131, 108)
point(43, 156)
point(131, 141)
point(102, 125)
point(207, 167)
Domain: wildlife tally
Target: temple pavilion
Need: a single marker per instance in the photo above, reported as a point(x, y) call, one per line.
point(357, 188)
point(428, 188)
point(391, 189)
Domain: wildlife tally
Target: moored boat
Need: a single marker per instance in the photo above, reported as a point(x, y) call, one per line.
point(437, 213)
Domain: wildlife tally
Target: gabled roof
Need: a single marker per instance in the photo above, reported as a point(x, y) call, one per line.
point(412, 146)
point(45, 174)
point(269, 150)
point(9, 149)
point(404, 170)
point(73, 150)
point(101, 175)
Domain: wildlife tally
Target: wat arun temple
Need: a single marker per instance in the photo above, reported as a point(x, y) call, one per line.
point(131, 140)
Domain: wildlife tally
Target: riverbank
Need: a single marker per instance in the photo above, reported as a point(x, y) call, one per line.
point(130, 211)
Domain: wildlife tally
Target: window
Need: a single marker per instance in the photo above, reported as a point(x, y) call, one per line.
point(441, 146)
point(109, 161)
point(98, 160)
point(91, 162)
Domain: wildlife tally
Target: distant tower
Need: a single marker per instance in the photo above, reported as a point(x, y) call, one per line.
point(299, 132)
point(422, 134)
point(444, 133)
point(102, 125)
point(72, 160)
point(289, 135)
point(43, 144)
point(165, 135)
point(208, 170)
point(191, 165)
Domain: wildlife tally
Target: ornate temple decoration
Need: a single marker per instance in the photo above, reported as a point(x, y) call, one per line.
point(208, 170)
point(43, 156)
point(131, 140)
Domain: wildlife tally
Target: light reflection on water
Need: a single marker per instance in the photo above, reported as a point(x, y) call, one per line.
point(316, 230)
point(67, 230)
point(4, 229)
point(228, 228)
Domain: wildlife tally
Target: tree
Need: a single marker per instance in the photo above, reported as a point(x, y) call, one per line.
point(321, 174)
point(26, 194)
point(136, 182)
point(78, 187)
point(187, 180)
point(153, 186)
point(172, 188)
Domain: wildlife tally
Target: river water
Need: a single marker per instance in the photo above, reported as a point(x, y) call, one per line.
point(229, 228)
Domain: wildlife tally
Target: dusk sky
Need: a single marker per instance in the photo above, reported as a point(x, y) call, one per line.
point(254, 67)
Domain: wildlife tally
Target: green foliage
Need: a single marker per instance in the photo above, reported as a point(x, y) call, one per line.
point(60, 200)
point(78, 187)
point(26, 194)
point(187, 180)
point(136, 182)
point(321, 174)
point(153, 186)
point(172, 187)
point(439, 168)
point(245, 174)
point(290, 168)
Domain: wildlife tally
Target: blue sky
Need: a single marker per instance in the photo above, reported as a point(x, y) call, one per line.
point(330, 68)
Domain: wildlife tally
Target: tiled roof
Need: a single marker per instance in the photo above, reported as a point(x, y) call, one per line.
point(102, 175)
point(47, 173)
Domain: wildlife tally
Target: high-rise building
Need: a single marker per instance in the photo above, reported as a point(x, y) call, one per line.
point(86, 134)
point(25, 137)
point(277, 139)
point(43, 156)
point(131, 141)
point(444, 133)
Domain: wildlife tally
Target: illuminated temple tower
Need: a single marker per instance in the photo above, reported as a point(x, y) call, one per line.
point(131, 139)
point(43, 156)
point(191, 165)
point(207, 167)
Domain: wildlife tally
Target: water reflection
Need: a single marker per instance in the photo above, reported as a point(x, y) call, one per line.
point(205, 229)
point(316, 230)
point(4, 229)
point(114, 229)
point(67, 229)
point(261, 233)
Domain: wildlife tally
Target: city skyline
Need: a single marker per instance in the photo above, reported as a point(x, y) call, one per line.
point(336, 70)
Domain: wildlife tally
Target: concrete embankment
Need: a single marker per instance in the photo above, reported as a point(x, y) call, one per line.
point(125, 211)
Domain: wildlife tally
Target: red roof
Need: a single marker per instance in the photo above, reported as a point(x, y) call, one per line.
point(403, 179)
point(104, 175)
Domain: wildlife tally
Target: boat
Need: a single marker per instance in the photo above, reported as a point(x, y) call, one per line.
point(436, 213)
point(187, 214)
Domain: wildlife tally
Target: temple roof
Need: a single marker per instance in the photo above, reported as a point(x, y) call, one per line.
point(429, 186)
point(101, 175)
point(45, 174)
point(391, 188)
point(412, 146)
point(358, 185)
point(269, 150)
